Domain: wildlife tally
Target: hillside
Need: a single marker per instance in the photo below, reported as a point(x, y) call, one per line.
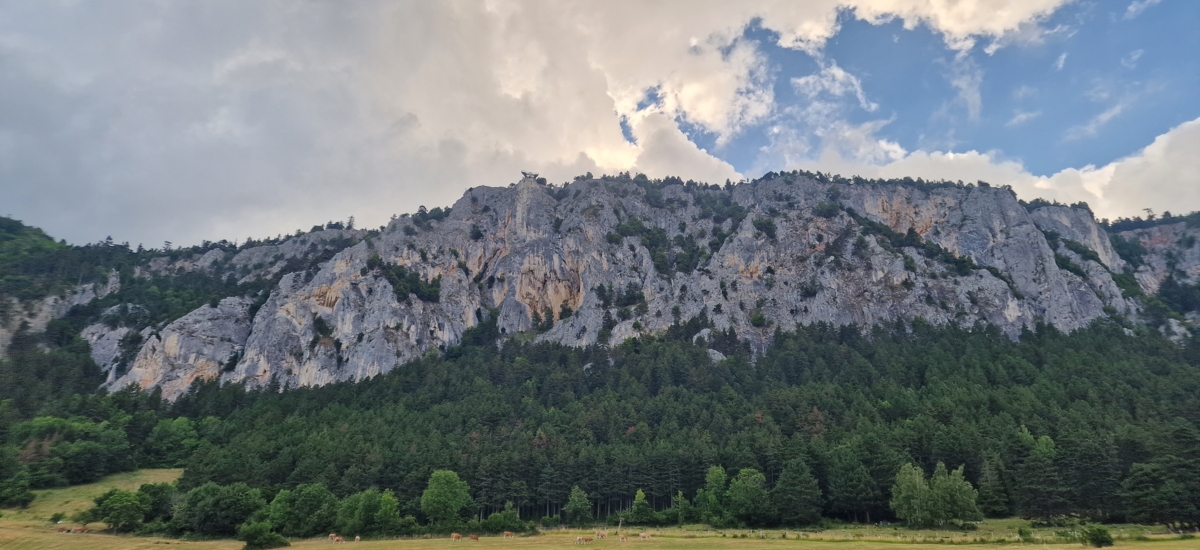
point(603, 260)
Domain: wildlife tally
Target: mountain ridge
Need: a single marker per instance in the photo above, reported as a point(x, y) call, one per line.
point(601, 260)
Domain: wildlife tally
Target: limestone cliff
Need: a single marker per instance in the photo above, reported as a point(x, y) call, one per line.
point(606, 259)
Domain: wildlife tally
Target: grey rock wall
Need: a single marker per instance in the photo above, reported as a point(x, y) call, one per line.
point(528, 248)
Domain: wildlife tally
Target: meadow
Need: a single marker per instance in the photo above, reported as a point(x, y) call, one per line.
point(30, 529)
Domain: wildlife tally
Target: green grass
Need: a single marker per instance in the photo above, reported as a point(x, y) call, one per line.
point(69, 500)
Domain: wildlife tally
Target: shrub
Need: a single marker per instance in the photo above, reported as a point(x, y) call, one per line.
point(258, 534)
point(1097, 536)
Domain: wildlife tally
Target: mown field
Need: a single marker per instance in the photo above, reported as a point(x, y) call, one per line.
point(30, 529)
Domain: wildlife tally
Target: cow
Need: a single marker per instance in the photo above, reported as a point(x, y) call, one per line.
point(579, 540)
point(643, 536)
point(587, 540)
point(509, 535)
point(338, 539)
point(332, 536)
point(601, 534)
point(475, 538)
point(357, 538)
point(624, 538)
point(455, 537)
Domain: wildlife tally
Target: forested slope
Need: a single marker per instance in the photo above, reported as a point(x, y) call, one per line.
point(718, 414)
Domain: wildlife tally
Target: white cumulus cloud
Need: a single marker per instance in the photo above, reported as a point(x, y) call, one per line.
point(223, 119)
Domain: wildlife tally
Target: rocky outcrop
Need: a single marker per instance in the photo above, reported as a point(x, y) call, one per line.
point(199, 345)
point(1170, 249)
point(608, 259)
point(35, 315)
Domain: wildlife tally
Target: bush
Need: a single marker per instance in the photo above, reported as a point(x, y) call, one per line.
point(766, 225)
point(1097, 536)
point(258, 534)
point(826, 209)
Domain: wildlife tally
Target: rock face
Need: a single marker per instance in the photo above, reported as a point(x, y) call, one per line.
point(198, 345)
point(34, 316)
point(1170, 249)
point(761, 255)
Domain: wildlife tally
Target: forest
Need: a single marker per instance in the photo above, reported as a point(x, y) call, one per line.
point(1098, 424)
point(856, 424)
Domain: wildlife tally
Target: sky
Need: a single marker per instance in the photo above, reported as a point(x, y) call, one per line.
point(152, 121)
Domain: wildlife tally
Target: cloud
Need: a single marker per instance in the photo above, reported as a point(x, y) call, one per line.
point(1023, 92)
point(1138, 6)
point(1021, 117)
point(1161, 176)
point(222, 119)
point(834, 81)
point(1092, 127)
point(967, 78)
point(1130, 60)
point(1058, 63)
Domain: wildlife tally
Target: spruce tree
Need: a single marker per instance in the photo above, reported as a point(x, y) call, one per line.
point(796, 496)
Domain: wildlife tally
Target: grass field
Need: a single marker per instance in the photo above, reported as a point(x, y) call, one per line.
point(29, 529)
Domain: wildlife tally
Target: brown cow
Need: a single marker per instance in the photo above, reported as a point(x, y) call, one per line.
point(455, 536)
point(624, 538)
point(587, 540)
point(601, 534)
point(475, 538)
point(338, 539)
point(332, 536)
point(509, 535)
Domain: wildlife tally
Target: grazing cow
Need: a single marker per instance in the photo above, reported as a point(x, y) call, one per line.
point(624, 538)
point(332, 536)
point(357, 538)
point(587, 540)
point(455, 536)
point(338, 539)
point(601, 534)
point(509, 535)
point(643, 536)
point(475, 538)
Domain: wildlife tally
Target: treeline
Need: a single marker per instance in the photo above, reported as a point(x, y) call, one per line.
point(308, 510)
point(84, 437)
point(1051, 427)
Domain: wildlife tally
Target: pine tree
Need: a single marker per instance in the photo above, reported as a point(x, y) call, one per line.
point(851, 488)
point(796, 496)
point(994, 501)
point(1040, 489)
